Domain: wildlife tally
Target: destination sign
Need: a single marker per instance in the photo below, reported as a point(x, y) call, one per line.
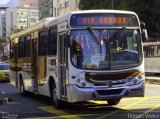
point(113, 20)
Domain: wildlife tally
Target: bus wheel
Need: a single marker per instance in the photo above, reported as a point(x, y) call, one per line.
point(113, 101)
point(21, 86)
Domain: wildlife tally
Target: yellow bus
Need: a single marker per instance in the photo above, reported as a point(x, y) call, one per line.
point(79, 56)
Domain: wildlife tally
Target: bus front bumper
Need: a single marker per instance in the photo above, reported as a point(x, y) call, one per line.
point(83, 94)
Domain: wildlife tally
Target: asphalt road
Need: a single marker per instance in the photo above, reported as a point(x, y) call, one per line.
point(39, 107)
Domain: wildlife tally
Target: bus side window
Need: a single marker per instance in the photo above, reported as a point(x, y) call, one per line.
point(21, 47)
point(52, 43)
point(28, 46)
point(12, 50)
point(43, 38)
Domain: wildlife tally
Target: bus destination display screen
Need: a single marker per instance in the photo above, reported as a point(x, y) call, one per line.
point(108, 20)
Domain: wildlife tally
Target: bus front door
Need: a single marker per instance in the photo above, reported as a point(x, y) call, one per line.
point(62, 65)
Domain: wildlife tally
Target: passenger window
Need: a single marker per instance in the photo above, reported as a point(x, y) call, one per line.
point(43, 38)
point(52, 45)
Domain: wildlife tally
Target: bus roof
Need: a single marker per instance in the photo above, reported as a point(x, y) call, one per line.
point(48, 22)
point(39, 25)
point(103, 11)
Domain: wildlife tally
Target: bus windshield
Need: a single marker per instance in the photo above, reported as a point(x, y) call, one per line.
point(104, 49)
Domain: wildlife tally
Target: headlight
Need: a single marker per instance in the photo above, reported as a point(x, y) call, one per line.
point(139, 76)
point(83, 84)
point(136, 80)
point(80, 82)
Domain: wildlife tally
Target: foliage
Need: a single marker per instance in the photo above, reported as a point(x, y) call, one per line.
point(2, 43)
point(15, 30)
point(147, 10)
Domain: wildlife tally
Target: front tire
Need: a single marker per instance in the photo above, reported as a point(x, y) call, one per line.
point(113, 101)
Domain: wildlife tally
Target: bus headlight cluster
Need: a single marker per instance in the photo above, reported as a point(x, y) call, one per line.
point(137, 79)
point(80, 82)
point(139, 76)
point(83, 84)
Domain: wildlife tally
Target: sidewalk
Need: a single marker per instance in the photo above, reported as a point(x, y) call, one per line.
point(153, 79)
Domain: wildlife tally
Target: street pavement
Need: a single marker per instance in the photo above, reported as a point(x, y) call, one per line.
point(153, 79)
point(40, 107)
point(21, 107)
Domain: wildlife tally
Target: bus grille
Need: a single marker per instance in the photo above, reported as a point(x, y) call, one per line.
point(104, 84)
point(101, 78)
point(109, 92)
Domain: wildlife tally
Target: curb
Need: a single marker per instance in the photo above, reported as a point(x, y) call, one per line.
point(153, 80)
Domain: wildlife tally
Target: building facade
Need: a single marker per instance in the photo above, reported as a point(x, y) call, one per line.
point(2, 23)
point(53, 8)
point(65, 6)
point(28, 2)
point(19, 18)
point(45, 8)
point(3, 46)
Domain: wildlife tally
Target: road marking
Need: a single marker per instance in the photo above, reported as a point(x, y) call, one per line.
point(62, 114)
point(42, 118)
point(123, 99)
point(122, 105)
point(155, 107)
point(155, 97)
point(59, 113)
point(150, 110)
point(135, 103)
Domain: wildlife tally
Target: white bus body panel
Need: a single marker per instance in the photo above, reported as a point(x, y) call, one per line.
point(76, 93)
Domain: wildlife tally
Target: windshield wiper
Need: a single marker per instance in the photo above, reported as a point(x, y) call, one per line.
point(93, 34)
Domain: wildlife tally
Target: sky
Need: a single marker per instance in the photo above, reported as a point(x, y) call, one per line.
point(9, 3)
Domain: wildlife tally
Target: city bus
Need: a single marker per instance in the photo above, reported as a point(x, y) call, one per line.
point(152, 57)
point(80, 56)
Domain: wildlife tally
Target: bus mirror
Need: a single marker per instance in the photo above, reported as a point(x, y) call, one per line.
point(144, 31)
point(144, 35)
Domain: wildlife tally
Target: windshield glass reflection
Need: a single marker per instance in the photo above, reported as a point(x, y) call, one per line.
point(105, 49)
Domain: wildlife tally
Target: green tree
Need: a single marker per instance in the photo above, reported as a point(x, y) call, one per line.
point(103, 4)
point(95, 4)
point(15, 30)
point(147, 10)
point(2, 43)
